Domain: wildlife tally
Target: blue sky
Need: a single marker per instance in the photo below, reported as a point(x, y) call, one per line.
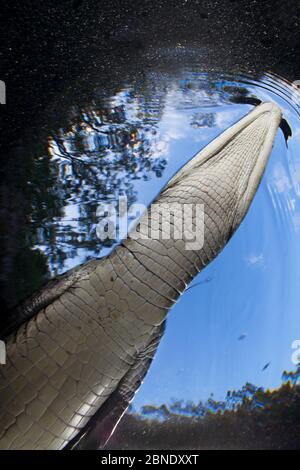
point(254, 284)
point(253, 289)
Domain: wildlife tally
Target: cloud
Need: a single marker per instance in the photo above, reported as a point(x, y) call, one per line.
point(296, 221)
point(225, 119)
point(296, 133)
point(255, 259)
point(280, 179)
point(286, 179)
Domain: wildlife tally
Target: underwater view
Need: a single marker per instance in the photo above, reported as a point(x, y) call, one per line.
point(226, 371)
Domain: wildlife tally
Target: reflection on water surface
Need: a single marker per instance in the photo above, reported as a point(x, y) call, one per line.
point(230, 336)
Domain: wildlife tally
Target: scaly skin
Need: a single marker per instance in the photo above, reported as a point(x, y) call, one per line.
point(89, 332)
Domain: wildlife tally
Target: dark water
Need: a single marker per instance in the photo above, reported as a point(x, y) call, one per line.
point(235, 328)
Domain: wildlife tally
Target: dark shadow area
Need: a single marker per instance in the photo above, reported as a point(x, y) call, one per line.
point(251, 418)
point(48, 45)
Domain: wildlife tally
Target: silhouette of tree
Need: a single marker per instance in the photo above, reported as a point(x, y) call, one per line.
point(250, 418)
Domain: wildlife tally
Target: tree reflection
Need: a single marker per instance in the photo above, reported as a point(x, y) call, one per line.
point(101, 152)
point(251, 418)
point(96, 158)
point(88, 153)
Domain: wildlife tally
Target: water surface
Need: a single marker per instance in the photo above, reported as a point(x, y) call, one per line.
point(237, 322)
